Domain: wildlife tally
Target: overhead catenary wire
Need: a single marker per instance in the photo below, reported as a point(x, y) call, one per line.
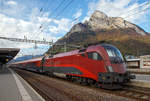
point(75, 19)
point(40, 28)
point(64, 8)
point(48, 5)
point(60, 4)
point(136, 8)
point(42, 11)
point(51, 5)
point(58, 14)
point(137, 12)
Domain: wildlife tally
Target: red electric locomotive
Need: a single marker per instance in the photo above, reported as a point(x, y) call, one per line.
point(102, 64)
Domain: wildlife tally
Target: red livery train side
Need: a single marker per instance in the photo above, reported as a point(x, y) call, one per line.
point(77, 63)
point(102, 64)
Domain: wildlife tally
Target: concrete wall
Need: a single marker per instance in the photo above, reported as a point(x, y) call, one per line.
point(133, 63)
point(145, 61)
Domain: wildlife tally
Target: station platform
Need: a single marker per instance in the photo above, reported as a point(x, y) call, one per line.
point(142, 77)
point(142, 74)
point(14, 88)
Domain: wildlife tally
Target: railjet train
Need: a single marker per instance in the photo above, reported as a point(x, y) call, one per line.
point(100, 64)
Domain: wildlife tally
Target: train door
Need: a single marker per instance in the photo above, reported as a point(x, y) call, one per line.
point(42, 64)
point(47, 63)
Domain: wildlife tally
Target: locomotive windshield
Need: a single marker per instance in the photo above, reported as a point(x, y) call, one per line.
point(114, 54)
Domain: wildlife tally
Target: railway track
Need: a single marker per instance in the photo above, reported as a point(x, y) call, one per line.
point(48, 92)
point(57, 93)
point(138, 93)
point(132, 92)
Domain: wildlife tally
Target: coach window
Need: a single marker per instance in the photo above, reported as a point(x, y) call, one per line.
point(94, 56)
point(83, 55)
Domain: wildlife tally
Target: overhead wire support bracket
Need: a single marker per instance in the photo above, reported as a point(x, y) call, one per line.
point(27, 40)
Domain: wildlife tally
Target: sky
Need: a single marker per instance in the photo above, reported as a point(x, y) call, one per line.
point(52, 19)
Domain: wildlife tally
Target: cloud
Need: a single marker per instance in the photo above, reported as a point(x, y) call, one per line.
point(17, 28)
point(60, 26)
point(13, 8)
point(11, 3)
point(78, 14)
point(128, 9)
point(36, 27)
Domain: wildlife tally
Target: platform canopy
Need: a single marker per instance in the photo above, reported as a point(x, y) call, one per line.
point(7, 54)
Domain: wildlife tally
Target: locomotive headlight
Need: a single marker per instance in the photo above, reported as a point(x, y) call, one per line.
point(110, 69)
point(7, 60)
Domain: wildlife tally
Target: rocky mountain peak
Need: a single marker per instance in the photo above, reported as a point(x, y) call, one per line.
point(100, 20)
point(78, 28)
point(99, 15)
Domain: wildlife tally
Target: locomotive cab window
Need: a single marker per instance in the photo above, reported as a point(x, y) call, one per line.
point(114, 55)
point(94, 56)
